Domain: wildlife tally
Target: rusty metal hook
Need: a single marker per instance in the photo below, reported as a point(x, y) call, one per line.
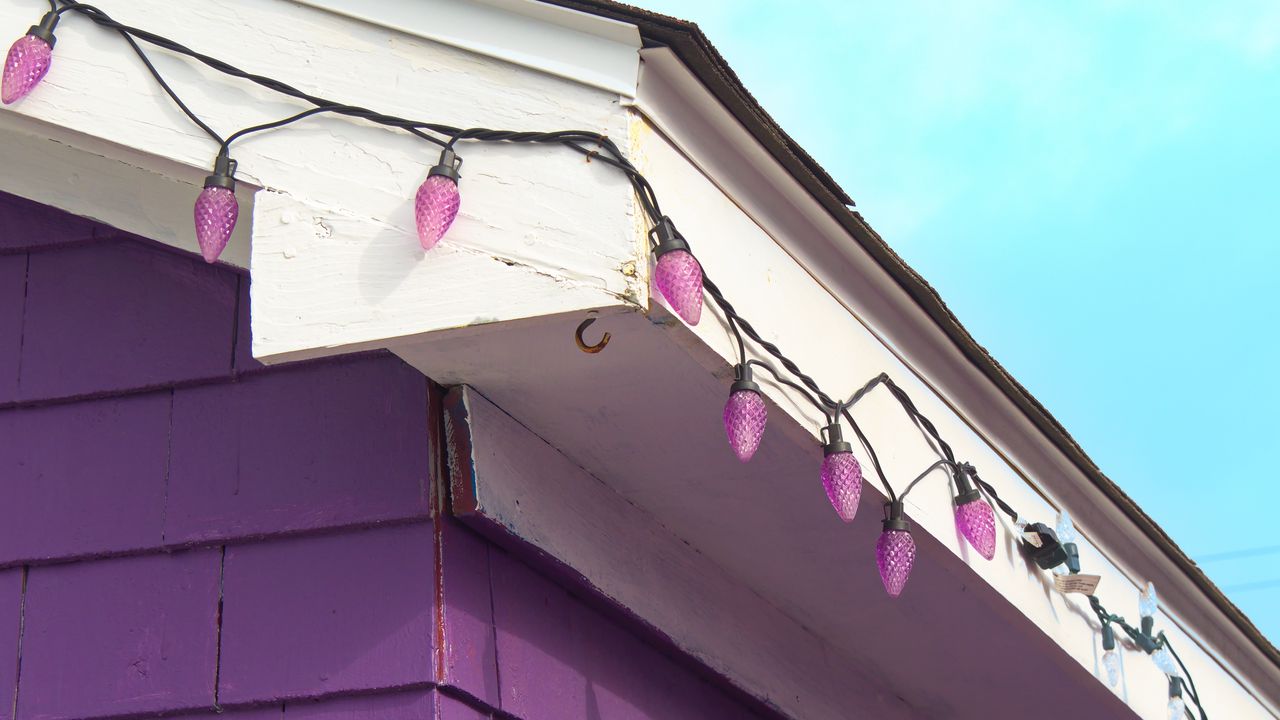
point(582, 344)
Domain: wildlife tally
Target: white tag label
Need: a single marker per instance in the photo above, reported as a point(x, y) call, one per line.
point(1032, 538)
point(1082, 584)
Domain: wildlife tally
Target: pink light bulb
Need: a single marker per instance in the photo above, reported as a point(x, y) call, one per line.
point(217, 209)
point(745, 416)
point(977, 523)
point(895, 554)
point(436, 205)
point(841, 474)
point(842, 479)
point(678, 277)
point(216, 214)
point(26, 64)
point(895, 550)
point(435, 209)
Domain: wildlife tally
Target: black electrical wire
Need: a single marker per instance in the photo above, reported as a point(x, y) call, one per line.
point(1191, 683)
point(94, 12)
point(940, 464)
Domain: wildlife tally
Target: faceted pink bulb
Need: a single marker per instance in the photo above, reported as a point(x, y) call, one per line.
point(977, 523)
point(216, 213)
point(435, 208)
point(679, 278)
point(25, 67)
point(842, 479)
point(895, 554)
point(744, 419)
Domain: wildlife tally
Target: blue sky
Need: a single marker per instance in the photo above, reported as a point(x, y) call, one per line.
point(1094, 188)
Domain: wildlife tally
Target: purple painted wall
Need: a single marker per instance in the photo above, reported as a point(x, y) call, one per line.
point(184, 532)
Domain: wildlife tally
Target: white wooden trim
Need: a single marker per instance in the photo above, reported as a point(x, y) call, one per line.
point(526, 487)
point(585, 48)
point(113, 185)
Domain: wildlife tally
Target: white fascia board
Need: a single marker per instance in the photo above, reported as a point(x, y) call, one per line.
point(796, 273)
point(111, 184)
point(586, 48)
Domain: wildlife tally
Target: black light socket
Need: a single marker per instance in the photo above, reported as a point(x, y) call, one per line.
point(1073, 557)
point(1108, 637)
point(835, 441)
point(895, 517)
point(1175, 687)
point(965, 491)
point(448, 166)
point(44, 30)
point(669, 239)
point(742, 379)
point(1050, 553)
point(1148, 625)
point(1146, 642)
point(224, 169)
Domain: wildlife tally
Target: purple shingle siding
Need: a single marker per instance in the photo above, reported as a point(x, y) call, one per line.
point(118, 315)
point(26, 224)
point(405, 705)
point(270, 454)
point(120, 636)
point(83, 479)
point(352, 611)
point(206, 537)
point(10, 626)
point(13, 291)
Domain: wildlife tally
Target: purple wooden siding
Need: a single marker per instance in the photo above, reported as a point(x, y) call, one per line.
point(186, 533)
point(353, 611)
point(150, 619)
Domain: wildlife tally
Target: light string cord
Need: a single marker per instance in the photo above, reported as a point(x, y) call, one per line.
point(807, 386)
point(1160, 640)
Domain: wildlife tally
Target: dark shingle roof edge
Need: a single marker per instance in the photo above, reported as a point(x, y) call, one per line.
point(705, 62)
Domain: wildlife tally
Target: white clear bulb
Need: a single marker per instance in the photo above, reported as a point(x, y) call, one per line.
point(1147, 602)
point(1164, 660)
point(1111, 663)
point(1177, 708)
point(1060, 569)
point(1065, 530)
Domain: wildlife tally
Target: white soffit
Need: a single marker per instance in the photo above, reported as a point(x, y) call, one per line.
point(589, 49)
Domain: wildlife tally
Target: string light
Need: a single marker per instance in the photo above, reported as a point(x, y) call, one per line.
point(1148, 604)
point(745, 414)
point(975, 519)
point(28, 60)
point(1110, 658)
point(1177, 706)
point(1067, 535)
point(676, 273)
point(841, 474)
point(437, 202)
point(895, 550)
point(217, 209)
point(680, 279)
point(1164, 660)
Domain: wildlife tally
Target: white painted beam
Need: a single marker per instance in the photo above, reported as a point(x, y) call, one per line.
point(588, 49)
point(335, 259)
point(121, 187)
point(508, 480)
